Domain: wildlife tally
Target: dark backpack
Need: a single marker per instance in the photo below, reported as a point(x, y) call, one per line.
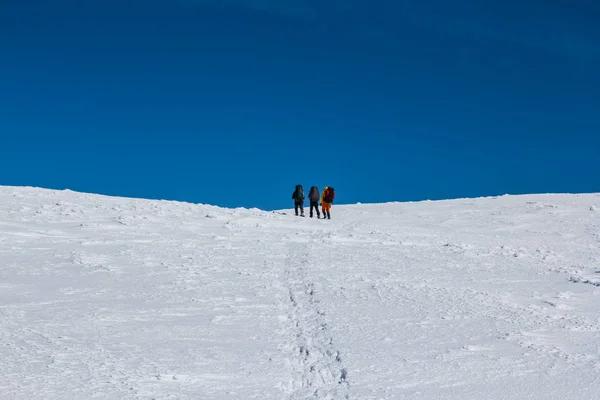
point(314, 195)
point(329, 196)
point(298, 193)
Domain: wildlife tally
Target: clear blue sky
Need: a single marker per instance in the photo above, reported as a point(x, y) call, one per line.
point(234, 102)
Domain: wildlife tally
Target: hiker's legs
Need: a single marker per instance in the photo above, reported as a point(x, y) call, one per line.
point(326, 210)
point(315, 205)
point(299, 205)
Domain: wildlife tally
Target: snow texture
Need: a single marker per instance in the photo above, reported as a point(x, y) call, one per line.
point(114, 298)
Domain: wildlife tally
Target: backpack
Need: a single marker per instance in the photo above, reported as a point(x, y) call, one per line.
point(329, 196)
point(299, 193)
point(314, 195)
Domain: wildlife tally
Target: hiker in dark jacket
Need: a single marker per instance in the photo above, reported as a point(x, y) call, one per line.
point(298, 197)
point(313, 197)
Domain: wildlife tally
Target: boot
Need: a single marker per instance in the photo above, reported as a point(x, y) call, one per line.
point(328, 215)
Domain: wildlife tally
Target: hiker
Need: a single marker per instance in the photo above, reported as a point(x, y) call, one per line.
point(326, 200)
point(298, 197)
point(313, 197)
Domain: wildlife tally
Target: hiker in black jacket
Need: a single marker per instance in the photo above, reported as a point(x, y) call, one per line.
point(313, 197)
point(298, 197)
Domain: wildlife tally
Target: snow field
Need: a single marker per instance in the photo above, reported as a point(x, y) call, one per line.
point(114, 298)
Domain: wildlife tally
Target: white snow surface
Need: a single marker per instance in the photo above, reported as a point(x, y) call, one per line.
point(115, 298)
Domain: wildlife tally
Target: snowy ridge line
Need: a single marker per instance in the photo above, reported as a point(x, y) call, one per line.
point(317, 365)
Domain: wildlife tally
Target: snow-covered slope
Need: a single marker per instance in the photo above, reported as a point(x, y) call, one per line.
point(113, 298)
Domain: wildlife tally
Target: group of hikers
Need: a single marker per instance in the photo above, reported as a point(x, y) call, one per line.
point(325, 199)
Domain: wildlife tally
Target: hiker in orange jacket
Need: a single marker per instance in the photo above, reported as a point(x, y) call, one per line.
point(326, 201)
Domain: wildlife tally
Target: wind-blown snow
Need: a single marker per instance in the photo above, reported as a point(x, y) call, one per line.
point(113, 298)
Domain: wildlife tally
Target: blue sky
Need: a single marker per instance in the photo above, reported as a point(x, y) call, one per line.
point(234, 102)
